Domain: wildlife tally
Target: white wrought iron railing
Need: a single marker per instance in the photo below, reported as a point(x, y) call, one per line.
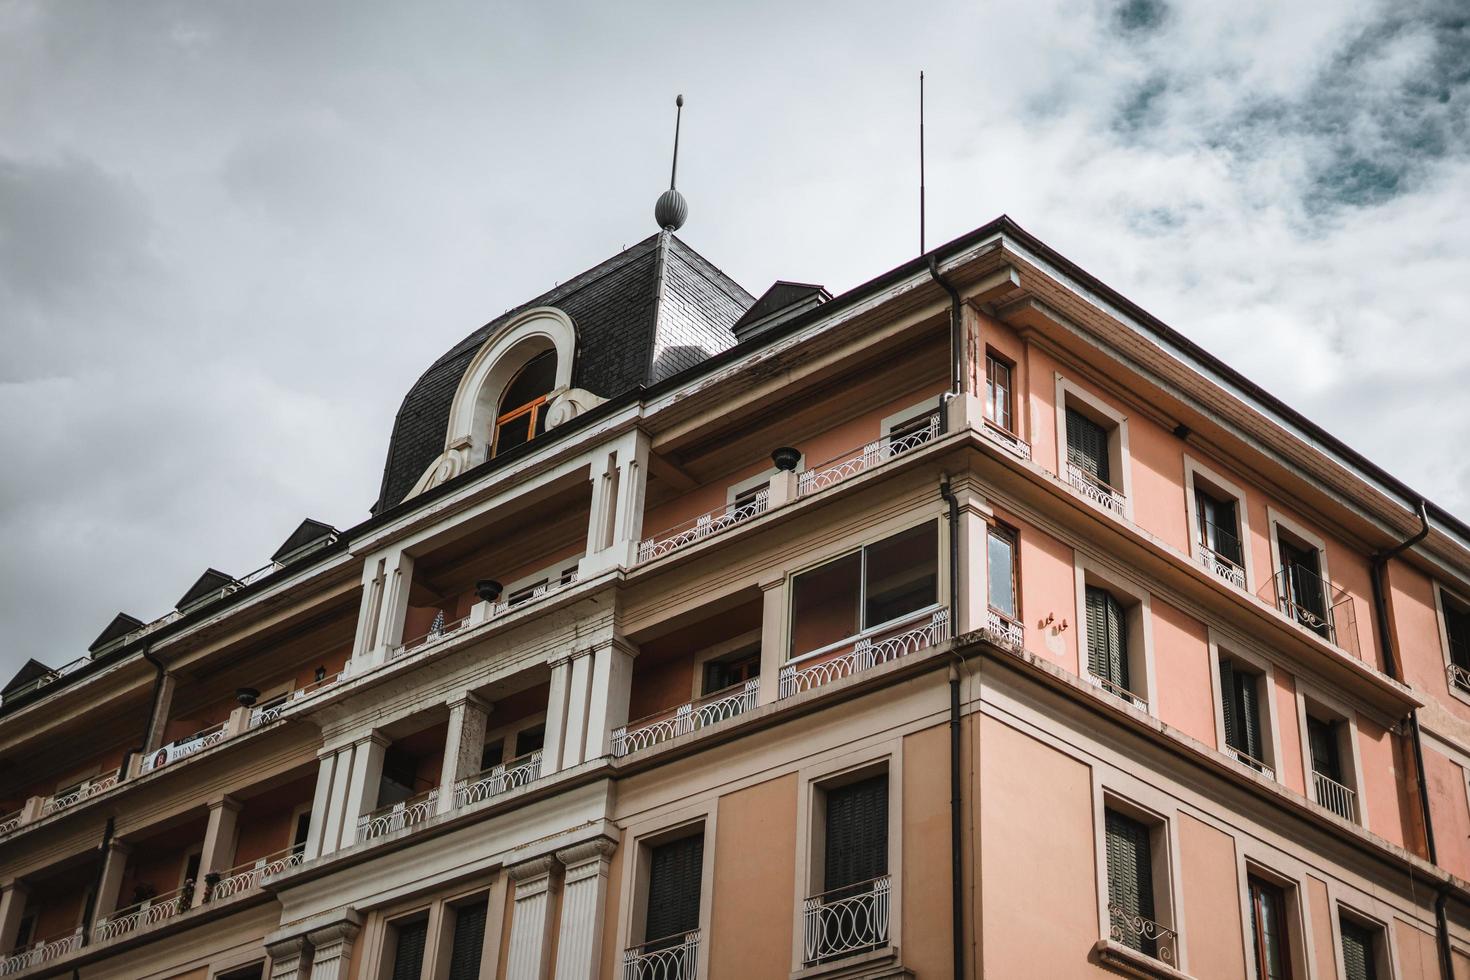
point(1009, 441)
point(522, 598)
point(1335, 796)
point(846, 920)
point(851, 464)
point(145, 914)
point(878, 645)
point(687, 717)
point(1246, 759)
point(1004, 631)
point(700, 527)
point(437, 633)
point(672, 958)
point(183, 748)
point(11, 822)
point(498, 779)
point(1116, 690)
point(246, 877)
point(1095, 490)
point(1222, 568)
point(264, 714)
point(41, 951)
point(77, 794)
point(1145, 935)
point(1458, 676)
point(1313, 604)
point(389, 819)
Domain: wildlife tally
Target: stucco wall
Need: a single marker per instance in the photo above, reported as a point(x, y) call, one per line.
point(1211, 901)
point(754, 888)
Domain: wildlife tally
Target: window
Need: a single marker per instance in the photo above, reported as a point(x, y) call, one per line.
point(1001, 571)
point(301, 832)
point(1328, 778)
point(745, 504)
point(732, 669)
point(1359, 949)
point(521, 416)
point(469, 940)
point(1271, 955)
point(1107, 641)
point(528, 740)
point(26, 931)
point(1087, 447)
point(675, 870)
point(1132, 914)
point(1457, 639)
point(998, 391)
point(408, 949)
point(1302, 593)
point(1240, 708)
point(255, 971)
point(850, 913)
point(878, 584)
point(1219, 527)
point(492, 754)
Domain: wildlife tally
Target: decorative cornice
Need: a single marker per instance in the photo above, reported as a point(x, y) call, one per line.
point(586, 857)
point(529, 870)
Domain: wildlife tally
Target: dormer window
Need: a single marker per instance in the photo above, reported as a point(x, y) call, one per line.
point(522, 412)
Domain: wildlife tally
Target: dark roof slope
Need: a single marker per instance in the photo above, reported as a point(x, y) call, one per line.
point(629, 333)
point(213, 580)
point(31, 670)
point(307, 532)
point(122, 624)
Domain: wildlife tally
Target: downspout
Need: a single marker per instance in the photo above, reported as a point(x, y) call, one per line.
point(1379, 565)
point(956, 821)
point(956, 330)
point(91, 904)
point(159, 671)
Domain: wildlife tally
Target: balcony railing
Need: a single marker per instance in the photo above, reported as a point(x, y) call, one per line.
point(42, 951)
point(1095, 490)
point(386, 820)
point(184, 747)
point(523, 597)
point(1307, 600)
point(846, 920)
point(717, 707)
point(498, 779)
point(1009, 441)
point(1221, 567)
point(264, 714)
point(1458, 676)
point(77, 794)
point(700, 527)
point(11, 822)
point(1004, 631)
point(879, 645)
point(50, 677)
point(673, 958)
point(440, 630)
point(145, 914)
point(858, 461)
point(1335, 797)
point(1116, 690)
point(246, 877)
point(1145, 935)
point(1246, 759)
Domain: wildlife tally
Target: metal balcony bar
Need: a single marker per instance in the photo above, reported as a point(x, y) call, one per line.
point(1004, 631)
point(1335, 797)
point(75, 795)
point(1116, 690)
point(1247, 759)
point(245, 877)
point(1221, 567)
point(1303, 597)
point(1009, 441)
point(846, 920)
point(850, 464)
point(868, 649)
point(670, 958)
point(438, 632)
point(183, 748)
point(389, 819)
point(264, 714)
point(1145, 935)
point(522, 598)
point(1459, 677)
point(1095, 490)
point(720, 706)
point(41, 951)
point(498, 779)
point(11, 821)
point(700, 527)
point(146, 914)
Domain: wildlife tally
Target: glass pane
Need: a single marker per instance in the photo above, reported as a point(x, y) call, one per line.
point(824, 604)
point(534, 380)
point(998, 392)
point(530, 740)
point(1001, 573)
point(512, 432)
point(902, 574)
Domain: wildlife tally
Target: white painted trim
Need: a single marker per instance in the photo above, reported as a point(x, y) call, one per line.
point(1276, 520)
point(759, 480)
point(1444, 636)
point(1120, 460)
point(1160, 812)
point(551, 573)
point(1194, 469)
point(638, 839)
point(926, 407)
point(1385, 950)
point(1140, 656)
point(714, 652)
point(1253, 859)
point(1267, 696)
point(1335, 710)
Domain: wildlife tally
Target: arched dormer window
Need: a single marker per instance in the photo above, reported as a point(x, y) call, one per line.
point(522, 413)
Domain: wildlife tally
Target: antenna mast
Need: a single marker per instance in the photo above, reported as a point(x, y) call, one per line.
point(921, 163)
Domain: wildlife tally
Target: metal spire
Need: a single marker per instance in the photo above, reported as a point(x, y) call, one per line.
point(671, 211)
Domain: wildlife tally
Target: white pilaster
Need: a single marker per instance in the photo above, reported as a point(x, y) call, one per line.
point(374, 572)
point(530, 929)
point(108, 888)
point(335, 826)
point(464, 744)
point(159, 722)
point(973, 534)
point(583, 907)
point(556, 717)
point(579, 687)
point(321, 800)
point(773, 637)
point(615, 523)
point(290, 958)
point(12, 909)
point(220, 836)
point(385, 587)
point(362, 787)
point(611, 688)
point(331, 948)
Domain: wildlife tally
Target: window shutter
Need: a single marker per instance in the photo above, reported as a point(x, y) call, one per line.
point(1087, 445)
point(674, 872)
point(469, 941)
point(857, 832)
point(1250, 714)
point(1130, 871)
point(1227, 536)
point(408, 958)
point(1097, 640)
point(1227, 703)
point(1357, 952)
point(1117, 643)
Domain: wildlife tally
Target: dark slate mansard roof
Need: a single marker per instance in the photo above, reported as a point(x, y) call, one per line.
point(646, 314)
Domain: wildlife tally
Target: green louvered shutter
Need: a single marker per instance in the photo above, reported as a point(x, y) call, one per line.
point(1107, 637)
point(674, 873)
point(1118, 644)
point(1130, 874)
point(1087, 445)
point(1227, 703)
point(1250, 713)
point(1357, 952)
point(408, 958)
point(469, 942)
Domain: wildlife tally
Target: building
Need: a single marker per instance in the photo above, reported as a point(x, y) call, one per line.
point(970, 613)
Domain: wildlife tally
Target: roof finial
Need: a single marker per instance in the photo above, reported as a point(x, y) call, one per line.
point(671, 211)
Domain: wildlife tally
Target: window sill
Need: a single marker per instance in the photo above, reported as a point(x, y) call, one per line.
point(1133, 963)
point(877, 964)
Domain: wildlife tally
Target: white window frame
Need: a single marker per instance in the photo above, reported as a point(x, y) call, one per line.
point(1234, 650)
point(639, 839)
point(1140, 626)
point(1195, 471)
point(1120, 460)
point(1444, 636)
point(1337, 711)
point(715, 652)
point(509, 733)
point(1148, 806)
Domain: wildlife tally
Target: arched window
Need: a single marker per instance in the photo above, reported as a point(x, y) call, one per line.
point(521, 415)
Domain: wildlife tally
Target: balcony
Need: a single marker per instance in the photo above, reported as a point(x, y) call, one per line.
point(703, 526)
point(498, 779)
point(441, 629)
point(717, 707)
point(398, 816)
point(184, 747)
point(845, 921)
point(1246, 759)
point(77, 794)
point(1116, 690)
point(1096, 490)
point(41, 951)
point(11, 822)
point(247, 877)
point(858, 461)
point(264, 714)
point(1144, 935)
point(1304, 598)
point(1004, 631)
point(1335, 796)
point(878, 645)
point(673, 958)
point(1458, 677)
point(145, 914)
point(1009, 441)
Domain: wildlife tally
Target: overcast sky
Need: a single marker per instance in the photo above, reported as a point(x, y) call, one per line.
point(233, 234)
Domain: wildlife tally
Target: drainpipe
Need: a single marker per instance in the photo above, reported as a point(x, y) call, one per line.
point(159, 671)
point(956, 330)
point(956, 821)
point(1379, 565)
point(91, 904)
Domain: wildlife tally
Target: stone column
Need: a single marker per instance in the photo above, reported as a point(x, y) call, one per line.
point(583, 907)
point(386, 581)
point(331, 948)
point(320, 830)
point(530, 929)
point(611, 688)
point(363, 782)
point(108, 888)
point(374, 572)
point(773, 636)
point(579, 686)
point(12, 909)
point(556, 717)
point(615, 525)
point(220, 837)
point(974, 539)
point(159, 722)
point(463, 746)
point(290, 958)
